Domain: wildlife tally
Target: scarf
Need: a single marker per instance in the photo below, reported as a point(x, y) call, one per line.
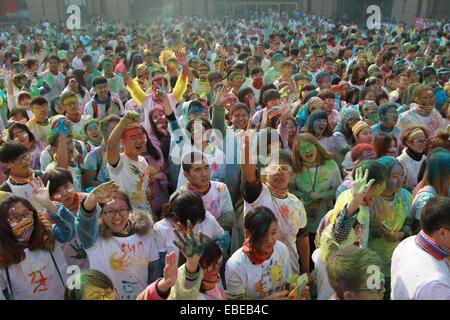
point(21, 181)
point(254, 256)
point(282, 194)
point(201, 191)
point(414, 155)
point(430, 246)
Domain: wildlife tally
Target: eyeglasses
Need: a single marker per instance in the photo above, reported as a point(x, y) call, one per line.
point(20, 134)
point(123, 212)
point(273, 169)
point(16, 218)
point(419, 141)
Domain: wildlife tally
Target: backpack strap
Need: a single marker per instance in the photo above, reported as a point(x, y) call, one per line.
point(57, 269)
point(95, 109)
point(8, 278)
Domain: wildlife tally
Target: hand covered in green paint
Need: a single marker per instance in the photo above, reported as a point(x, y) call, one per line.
point(189, 244)
point(315, 196)
point(361, 186)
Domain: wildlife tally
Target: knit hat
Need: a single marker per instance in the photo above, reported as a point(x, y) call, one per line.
point(347, 114)
point(356, 129)
point(314, 102)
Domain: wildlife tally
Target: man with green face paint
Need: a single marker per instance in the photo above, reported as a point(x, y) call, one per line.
point(116, 83)
point(388, 116)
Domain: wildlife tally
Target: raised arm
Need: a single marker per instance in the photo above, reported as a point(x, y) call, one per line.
point(86, 223)
point(64, 221)
point(113, 144)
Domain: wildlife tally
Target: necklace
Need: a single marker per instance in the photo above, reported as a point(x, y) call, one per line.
point(313, 184)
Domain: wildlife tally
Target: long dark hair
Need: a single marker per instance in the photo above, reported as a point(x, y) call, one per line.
point(151, 149)
point(41, 238)
point(21, 126)
point(317, 115)
point(185, 205)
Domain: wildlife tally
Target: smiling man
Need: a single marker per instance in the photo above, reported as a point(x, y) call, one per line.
point(129, 169)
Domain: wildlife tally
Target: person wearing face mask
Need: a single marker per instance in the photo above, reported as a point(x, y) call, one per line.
point(391, 219)
point(414, 138)
point(423, 112)
point(315, 182)
point(362, 134)
point(347, 271)
point(119, 241)
point(32, 265)
point(420, 268)
point(20, 133)
point(388, 117)
point(274, 194)
point(129, 168)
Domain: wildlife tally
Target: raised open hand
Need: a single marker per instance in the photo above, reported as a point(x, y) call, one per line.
point(105, 192)
point(221, 96)
point(181, 57)
point(130, 117)
point(189, 244)
point(40, 192)
point(360, 185)
point(170, 273)
point(121, 69)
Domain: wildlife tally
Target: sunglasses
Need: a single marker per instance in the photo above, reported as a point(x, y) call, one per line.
point(273, 169)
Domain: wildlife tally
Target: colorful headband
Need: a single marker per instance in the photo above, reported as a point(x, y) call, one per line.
point(415, 132)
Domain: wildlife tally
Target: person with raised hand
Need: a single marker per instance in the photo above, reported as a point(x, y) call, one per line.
point(198, 278)
point(348, 222)
point(129, 168)
point(119, 241)
point(32, 264)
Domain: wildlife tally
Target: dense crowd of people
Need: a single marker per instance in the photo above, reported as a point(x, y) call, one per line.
point(211, 159)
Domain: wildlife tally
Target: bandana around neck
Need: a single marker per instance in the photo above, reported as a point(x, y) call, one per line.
point(201, 191)
point(430, 246)
point(282, 194)
point(254, 256)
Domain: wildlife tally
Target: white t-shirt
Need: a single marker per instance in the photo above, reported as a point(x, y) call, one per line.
point(412, 168)
point(132, 177)
point(291, 217)
point(324, 289)
point(166, 236)
point(36, 277)
point(217, 200)
point(258, 281)
point(417, 275)
point(125, 261)
point(25, 191)
point(78, 128)
point(89, 108)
